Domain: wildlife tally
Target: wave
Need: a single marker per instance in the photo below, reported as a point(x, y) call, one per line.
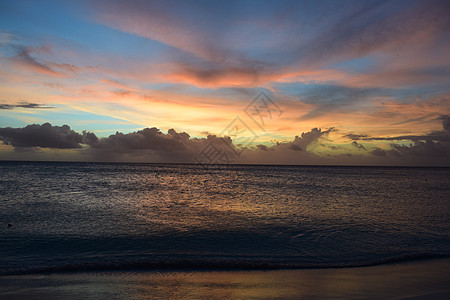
point(208, 264)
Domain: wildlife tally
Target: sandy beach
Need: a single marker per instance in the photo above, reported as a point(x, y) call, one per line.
point(428, 279)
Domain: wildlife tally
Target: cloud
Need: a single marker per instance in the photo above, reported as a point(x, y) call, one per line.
point(67, 67)
point(145, 139)
point(421, 149)
point(25, 105)
point(445, 122)
point(367, 28)
point(359, 146)
point(299, 150)
point(308, 138)
point(433, 136)
point(115, 83)
point(262, 147)
point(6, 38)
point(37, 59)
point(24, 59)
point(238, 44)
point(300, 143)
point(44, 136)
point(355, 136)
point(179, 147)
point(378, 152)
point(219, 75)
point(161, 21)
point(437, 135)
point(328, 98)
point(148, 144)
point(152, 145)
point(435, 144)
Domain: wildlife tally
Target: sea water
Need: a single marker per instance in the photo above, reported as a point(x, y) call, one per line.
point(96, 216)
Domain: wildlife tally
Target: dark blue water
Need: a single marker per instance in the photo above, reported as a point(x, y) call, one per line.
point(83, 216)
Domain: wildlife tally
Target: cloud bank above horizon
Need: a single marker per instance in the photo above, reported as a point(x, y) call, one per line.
point(152, 145)
point(373, 75)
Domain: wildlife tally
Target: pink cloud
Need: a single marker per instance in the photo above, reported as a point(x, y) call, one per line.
point(155, 21)
point(24, 60)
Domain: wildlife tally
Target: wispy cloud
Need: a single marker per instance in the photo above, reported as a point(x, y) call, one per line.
point(440, 136)
point(25, 60)
point(25, 105)
point(350, 32)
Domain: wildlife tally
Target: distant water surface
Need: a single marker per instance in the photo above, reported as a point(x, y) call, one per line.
point(83, 216)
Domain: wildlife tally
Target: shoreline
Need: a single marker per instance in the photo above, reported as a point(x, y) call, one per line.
point(419, 279)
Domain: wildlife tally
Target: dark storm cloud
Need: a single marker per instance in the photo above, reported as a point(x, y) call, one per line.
point(44, 136)
point(24, 105)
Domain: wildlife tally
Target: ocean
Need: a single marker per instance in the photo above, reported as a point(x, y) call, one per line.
point(114, 216)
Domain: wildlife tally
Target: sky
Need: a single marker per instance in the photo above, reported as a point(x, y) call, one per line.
point(257, 82)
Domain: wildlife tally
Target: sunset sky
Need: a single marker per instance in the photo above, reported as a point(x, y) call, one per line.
point(335, 82)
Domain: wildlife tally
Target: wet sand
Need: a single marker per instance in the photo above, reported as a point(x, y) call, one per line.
point(428, 279)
